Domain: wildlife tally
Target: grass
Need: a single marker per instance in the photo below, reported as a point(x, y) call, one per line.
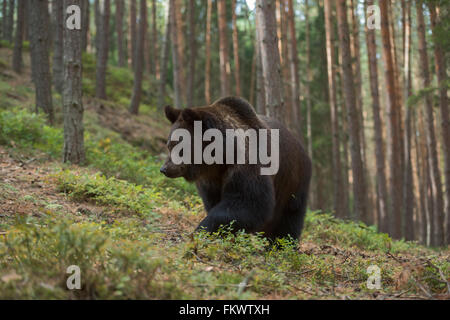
point(129, 229)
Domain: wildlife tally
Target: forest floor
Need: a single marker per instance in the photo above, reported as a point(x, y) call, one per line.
point(130, 230)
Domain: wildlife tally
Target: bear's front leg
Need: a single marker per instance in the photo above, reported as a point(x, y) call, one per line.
point(247, 201)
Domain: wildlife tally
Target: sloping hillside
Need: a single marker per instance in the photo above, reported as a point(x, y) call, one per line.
point(129, 229)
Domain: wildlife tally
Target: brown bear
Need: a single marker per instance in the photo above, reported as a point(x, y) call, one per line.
point(238, 194)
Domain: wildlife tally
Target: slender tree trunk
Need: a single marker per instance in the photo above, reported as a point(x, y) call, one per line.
point(132, 36)
point(237, 78)
point(336, 161)
point(260, 93)
point(4, 19)
point(379, 148)
point(20, 25)
point(103, 47)
point(308, 89)
point(359, 183)
point(164, 58)
point(175, 57)
point(208, 53)
point(435, 177)
point(58, 64)
point(192, 54)
point(295, 81)
point(181, 48)
point(85, 25)
point(39, 45)
point(394, 154)
point(155, 42)
point(139, 70)
point(10, 18)
point(72, 91)
point(408, 185)
point(270, 57)
point(223, 50)
point(120, 5)
point(441, 70)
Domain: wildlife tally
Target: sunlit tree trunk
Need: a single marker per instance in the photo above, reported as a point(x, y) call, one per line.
point(164, 58)
point(359, 183)
point(441, 70)
point(237, 79)
point(260, 94)
point(270, 57)
point(132, 36)
point(156, 61)
point(192, 54)
point(336, 161)
point(223, 49)
point(175, 57)
point(437, 236)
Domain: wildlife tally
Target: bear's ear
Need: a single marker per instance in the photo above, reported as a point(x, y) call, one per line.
point(172, 114)
point(190, 115)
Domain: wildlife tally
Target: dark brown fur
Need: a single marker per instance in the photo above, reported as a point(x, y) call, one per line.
point(275, 205)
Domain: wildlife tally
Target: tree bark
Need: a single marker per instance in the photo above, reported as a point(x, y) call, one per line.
point(382, 198)
point(86, 12)
point(295, 81)
point(175, 57)
point(132, 36)
point(208, 53)
point(164, 58)
point(139, 66)
point(336, 161)
point(4, 20)
point(155, 42)
point(103, 47)
point(223, 49)
point(58, 66)
point(10, 18)
point(260, 93)
point(359, 183)
point(39, 46)
point(192, 55)
point(72, 91)
point(20, 25)
point(441, 70)
point(270, 57)
point(437, 236)
point(237, 78)
point(120, 5)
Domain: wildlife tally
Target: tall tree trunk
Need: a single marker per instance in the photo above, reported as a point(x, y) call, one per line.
point(223, 49)
point(58, 64)
point(120, 5)
point(155, 42)
point(359, 183)
point(437, 237)
point(408, 185)
point(441, 70)
point(85, 25)
point(164, 58)
point(20, 25)
point(192, 55)
point(132, 36)
point(270, 57)
point(181, 47)
point(237, 78)
point(295, 81)
point(39, 45)
point(208, 53)
point(175, 57)
point(72, 93)
point(336, 161)
point(4, 20)
point(382, 198)
point(394, 154)
point(103, 47)
point(10, 18)
point(260, 93)
point(139, 70)
point(308, 88)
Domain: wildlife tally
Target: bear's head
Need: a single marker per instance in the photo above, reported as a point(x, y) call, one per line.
point(183, 121)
